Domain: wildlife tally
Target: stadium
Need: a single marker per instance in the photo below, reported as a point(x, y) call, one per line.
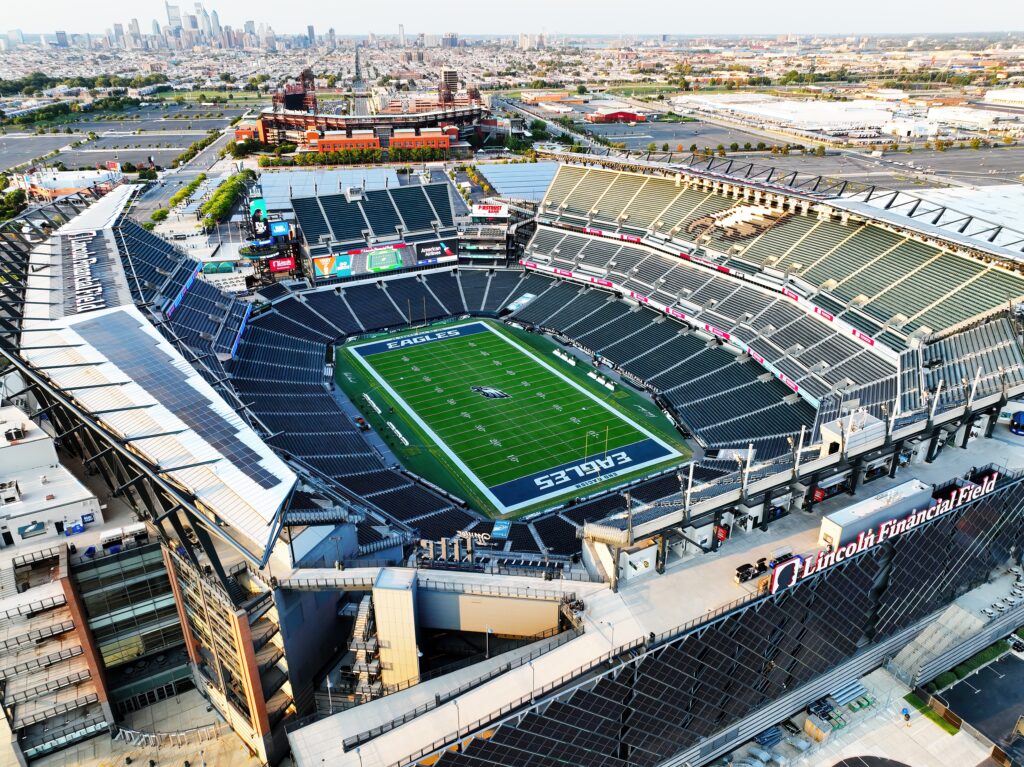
point(694, 367)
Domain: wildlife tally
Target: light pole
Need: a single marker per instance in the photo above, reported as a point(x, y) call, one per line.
point(533, 681)
point(458, 716)
point(487, 642)
point(611, 627)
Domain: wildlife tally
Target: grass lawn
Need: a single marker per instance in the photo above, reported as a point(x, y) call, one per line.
point(494, 417)
point(923, 707)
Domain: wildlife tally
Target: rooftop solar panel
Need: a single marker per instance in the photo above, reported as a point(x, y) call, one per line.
point(120, 338)
point(525, 181)
point(280, 186)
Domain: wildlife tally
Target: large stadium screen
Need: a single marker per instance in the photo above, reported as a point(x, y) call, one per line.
point(382, 259)
point(332, 266)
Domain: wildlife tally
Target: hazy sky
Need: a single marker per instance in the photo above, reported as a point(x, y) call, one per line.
point(588, 17)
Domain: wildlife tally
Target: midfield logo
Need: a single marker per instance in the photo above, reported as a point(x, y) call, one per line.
point(490, 392)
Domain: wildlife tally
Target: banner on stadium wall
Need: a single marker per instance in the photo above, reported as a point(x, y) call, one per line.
point(791, 572)
point(717, 332)
point(372, 248)
point(283, 264)
point(631, 238)
point(184, 289)
point(864, 337)
point(490, 211)
point(823, 314)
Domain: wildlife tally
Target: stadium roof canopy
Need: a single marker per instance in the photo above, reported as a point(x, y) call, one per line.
point(280, 186)
point(82, 332)
point(911, 211)
point(125, 375)
point(523, 181)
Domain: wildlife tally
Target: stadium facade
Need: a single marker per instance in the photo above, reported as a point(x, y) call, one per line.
point(804, 336)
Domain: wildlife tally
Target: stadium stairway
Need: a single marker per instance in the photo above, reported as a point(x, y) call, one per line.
point(953, 627)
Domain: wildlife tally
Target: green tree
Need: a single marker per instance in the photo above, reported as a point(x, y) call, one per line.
point(820, 151)
point(652, 147)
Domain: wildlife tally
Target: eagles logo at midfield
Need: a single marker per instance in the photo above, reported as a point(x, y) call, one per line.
point(490, 392)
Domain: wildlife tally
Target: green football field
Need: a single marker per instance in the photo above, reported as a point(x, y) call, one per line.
point(518, 427)
point(383, 260)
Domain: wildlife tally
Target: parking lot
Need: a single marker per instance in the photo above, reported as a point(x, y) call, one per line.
point(686, 133)
point(179, 141)
point(166, 131)
point(899, 170)
point(90, 158)
point(15, 150)
point(992, 700)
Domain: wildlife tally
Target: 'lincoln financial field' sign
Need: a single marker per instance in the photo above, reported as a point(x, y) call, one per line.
point(796, 569)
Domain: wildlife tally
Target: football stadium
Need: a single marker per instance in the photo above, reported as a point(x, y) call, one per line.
point(718, 444)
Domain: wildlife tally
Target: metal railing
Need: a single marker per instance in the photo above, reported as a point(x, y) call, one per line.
point(368, 735)
point(300, 583)
point(35, 556)
point(511, 706)
point(497, 591)
point(180, 738)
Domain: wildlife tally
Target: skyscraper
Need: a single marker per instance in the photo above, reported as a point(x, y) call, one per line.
point(203, 19)
point(311, 34)
point(450, 78)
point(173, 16)
point(401, 35)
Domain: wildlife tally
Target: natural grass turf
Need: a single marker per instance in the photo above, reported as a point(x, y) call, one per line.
point(545, 423)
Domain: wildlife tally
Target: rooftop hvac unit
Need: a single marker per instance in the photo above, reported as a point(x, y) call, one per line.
point(14, 434)
point(10, 492)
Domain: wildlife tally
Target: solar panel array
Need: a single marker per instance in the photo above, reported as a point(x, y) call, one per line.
point(279, 188)
point(523, 181)
point(122, 340)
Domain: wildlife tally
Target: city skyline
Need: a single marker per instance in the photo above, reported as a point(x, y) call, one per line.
point(746, 18)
